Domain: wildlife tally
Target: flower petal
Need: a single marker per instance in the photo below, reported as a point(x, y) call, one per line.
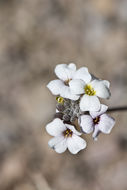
point(72, 66)
point(102, 110)
point(89, 103)
point(55, 140)
point(106, 82)
point(57, 111)
point(83, 74)
point(106, 123)
point(61, 146)
point(75, 144)
point(77, 86)
point(66, 93)
point(55, 86)
point(96, 132)
point(86, 123)
point(72, 128)
point(64, 71)
point(101, 88)
point(56, 127)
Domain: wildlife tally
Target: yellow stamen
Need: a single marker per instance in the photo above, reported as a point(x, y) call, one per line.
point(59, 99)
point(89, 90)
point(67, 133)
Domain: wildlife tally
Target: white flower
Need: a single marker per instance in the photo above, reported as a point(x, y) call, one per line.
point(65, 136)
point(91, 90)
point(97, 122)
point(67, 73)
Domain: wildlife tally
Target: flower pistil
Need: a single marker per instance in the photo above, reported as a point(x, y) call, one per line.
point(96, 120)
point(66, 82)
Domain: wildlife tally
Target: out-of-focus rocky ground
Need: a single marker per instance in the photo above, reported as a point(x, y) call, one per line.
point(35, 35)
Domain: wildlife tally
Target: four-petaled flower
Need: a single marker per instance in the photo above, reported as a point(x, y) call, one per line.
point(65, 136)
point(90, 91)
point(67, 73)
point(97, 122)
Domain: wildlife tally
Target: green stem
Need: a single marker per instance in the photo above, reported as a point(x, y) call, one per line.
point(117, 109)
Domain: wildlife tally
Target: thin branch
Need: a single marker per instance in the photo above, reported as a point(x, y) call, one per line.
point(117, 109)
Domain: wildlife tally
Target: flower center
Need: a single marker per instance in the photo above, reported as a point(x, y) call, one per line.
point(89, 90)
point(67, 133)
point(59, 99)
point(96, 120)
point(66, 82)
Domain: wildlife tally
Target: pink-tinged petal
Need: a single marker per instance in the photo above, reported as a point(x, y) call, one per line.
point(72, 128)
point(56, 127)
point(89, 103)
point(64, 71)
point(86, 123)
point(96, 132)
point(77, 86)
point(55, 86)
point(106, 123)
point(101, 88)
point(61, 146)
point(66, 93)
point(55, 140)
point(102, 110)
point(83, 74)
point(75, 144)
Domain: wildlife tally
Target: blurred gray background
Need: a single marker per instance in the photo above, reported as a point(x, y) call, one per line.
point(35, 35)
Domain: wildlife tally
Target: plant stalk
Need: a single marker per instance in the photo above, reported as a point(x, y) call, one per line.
point(117, 109)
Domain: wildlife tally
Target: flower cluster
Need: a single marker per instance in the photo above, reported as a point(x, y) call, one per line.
point(77, 94)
